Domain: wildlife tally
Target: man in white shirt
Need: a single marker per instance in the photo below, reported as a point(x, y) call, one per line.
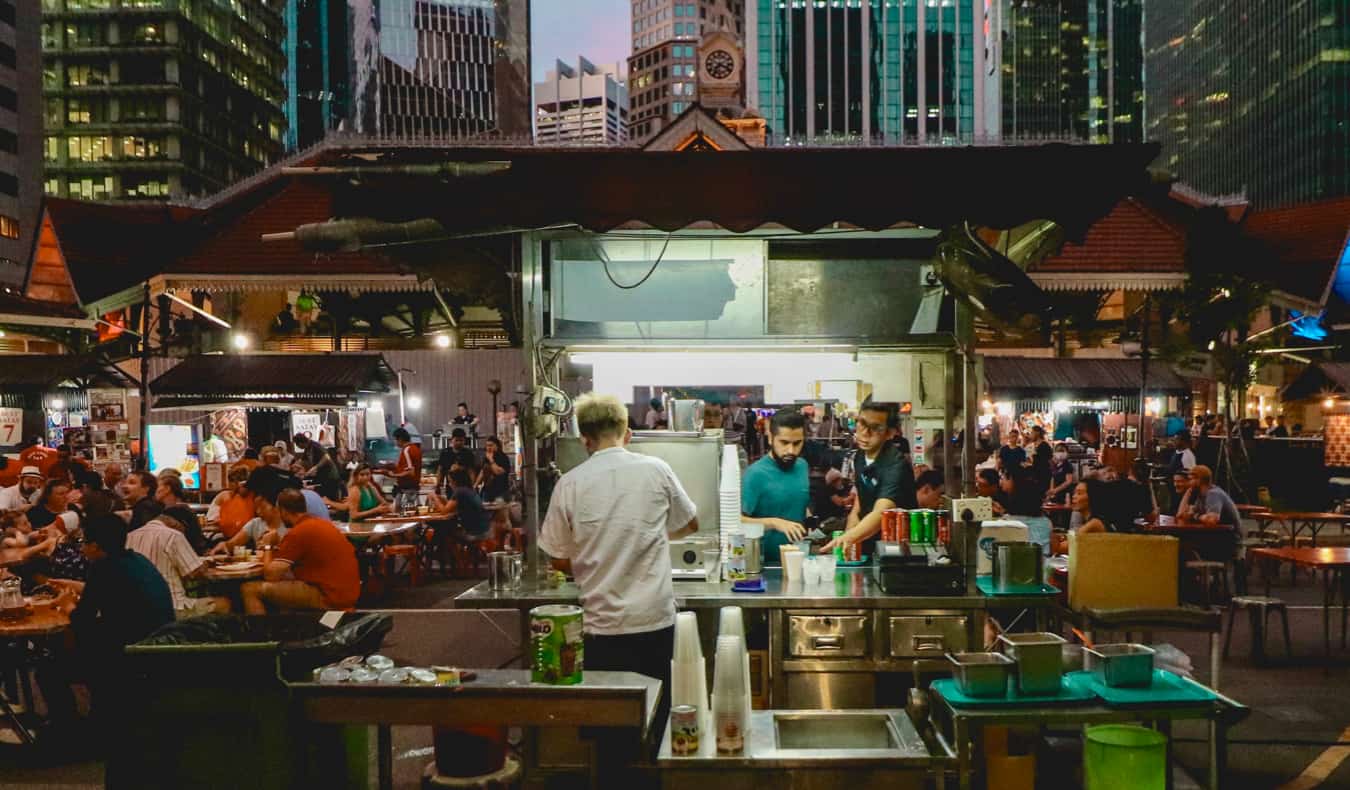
point(213, 448)
point(171, 554)
point(610, 522)
point(23, 494)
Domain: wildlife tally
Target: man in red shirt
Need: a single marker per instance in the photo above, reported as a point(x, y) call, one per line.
point(314, 568)
point(408, 470)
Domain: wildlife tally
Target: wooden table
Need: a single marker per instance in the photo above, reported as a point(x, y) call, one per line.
point(217, 574)
point(1333, 563)
point(362, 531)
point(1248, 510)
point(1296, 522)
point(41, 622)
point(1172, 525)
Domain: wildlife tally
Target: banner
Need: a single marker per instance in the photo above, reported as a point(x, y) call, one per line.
point(306, 423)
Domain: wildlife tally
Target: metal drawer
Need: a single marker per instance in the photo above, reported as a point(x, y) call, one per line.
point(845, 635)
point(917, 636)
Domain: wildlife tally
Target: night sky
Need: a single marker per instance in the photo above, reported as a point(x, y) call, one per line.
point(599, 30)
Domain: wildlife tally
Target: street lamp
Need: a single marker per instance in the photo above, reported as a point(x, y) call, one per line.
point(239, 340)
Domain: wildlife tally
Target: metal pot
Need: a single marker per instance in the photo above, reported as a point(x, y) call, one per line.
point(1017, 564)
point(686, 415)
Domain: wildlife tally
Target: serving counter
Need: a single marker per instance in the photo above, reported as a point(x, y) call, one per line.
point(843, 644)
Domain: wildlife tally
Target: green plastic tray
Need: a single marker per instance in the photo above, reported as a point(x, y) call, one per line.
point(986, 586)
point(1068, 695)
point(1166, 688)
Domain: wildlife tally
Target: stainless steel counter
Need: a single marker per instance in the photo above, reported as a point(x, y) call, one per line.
point(852, 588)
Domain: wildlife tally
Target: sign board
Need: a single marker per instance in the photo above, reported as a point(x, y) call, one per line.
point(11, 426)
point(306, 423)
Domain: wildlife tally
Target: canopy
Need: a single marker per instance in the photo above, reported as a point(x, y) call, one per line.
point(212, 380)
point(39, 372)
point(1030, 377)
point(1319, 381)
point(804, 189)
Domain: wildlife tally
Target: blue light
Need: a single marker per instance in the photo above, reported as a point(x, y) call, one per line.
point(1341, 279)
point(1308, 327)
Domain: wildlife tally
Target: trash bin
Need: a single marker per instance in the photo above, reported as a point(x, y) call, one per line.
point(1124, 757)
point(208, 704)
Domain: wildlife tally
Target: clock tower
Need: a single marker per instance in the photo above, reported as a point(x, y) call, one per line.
point(721, 73)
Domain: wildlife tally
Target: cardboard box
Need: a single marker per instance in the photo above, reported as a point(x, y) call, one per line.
point(1113, 571)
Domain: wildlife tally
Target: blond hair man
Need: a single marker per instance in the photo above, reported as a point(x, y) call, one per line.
point(610, 521)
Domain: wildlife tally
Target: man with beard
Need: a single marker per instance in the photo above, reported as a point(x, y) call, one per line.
point(883, 479)
point(777, 488)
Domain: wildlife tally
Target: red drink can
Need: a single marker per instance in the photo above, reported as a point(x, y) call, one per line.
point(853, 552)
point(944, 527)
point(889, 525)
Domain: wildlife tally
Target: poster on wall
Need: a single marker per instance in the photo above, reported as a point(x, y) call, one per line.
point(107, 406)
point(306, 423)
point(175, 447)
point(11, 426)
point(231, 425)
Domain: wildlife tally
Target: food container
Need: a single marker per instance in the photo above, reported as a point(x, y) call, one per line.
point(1040, 664)
point(1123, 665)
point(1017, 564)
point(981, 674)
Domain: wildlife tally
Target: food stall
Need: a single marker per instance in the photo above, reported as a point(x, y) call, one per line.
point(74, 399)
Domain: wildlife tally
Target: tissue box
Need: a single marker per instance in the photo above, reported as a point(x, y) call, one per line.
point(992, 532)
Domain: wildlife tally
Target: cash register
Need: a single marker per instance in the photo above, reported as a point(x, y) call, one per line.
point(917, 569)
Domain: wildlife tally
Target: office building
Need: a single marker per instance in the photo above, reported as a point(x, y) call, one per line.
point(20, 134)
point(685, 52)
point(1071, 70)
point(318, 65)
point(1252, 96)
point(867, 70)
point(582, 104)
point(441, 68)
point(146, 98)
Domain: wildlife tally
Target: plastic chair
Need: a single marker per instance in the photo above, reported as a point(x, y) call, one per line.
point(1258, 608)
point(408, 551)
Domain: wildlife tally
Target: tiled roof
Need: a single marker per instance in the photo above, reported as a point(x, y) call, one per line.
point(14, 303)
point(1021, 376)
point(1134, 237)
point(109, 247)
point(1307, 241)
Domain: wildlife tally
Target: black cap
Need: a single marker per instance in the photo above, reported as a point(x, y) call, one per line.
point(269, 481)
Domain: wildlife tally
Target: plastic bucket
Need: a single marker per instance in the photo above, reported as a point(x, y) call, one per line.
point(1124, 757)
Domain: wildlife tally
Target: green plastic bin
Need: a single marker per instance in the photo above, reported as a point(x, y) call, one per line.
point(1124, 757)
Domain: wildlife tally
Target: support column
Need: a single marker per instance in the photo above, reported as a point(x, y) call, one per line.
point(145, 376)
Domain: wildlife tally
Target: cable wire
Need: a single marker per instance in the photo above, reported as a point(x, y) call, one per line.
point(604, 261)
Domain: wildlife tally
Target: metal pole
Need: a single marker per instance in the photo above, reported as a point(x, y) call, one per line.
point(949, 418)
point(531, 289)
point(401, 417)
point(145, 378)
point(1143, 379)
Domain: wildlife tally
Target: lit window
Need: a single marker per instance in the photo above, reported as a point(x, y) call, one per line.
point(9, 227)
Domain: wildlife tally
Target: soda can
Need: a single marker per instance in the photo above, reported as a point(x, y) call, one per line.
point(944, 527)
point(555, 634)
point(916, 526)
point(890, 530)
point(684, 729)
point(929, 526)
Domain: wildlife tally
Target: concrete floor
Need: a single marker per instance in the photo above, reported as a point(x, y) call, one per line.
point(1301, 707)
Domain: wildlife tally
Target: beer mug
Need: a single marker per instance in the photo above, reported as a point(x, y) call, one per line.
point(505, 569)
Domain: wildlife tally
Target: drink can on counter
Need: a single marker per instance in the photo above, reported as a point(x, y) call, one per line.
point(684, 729)
point(916, 526)
point(944, 527)
point(929, 526)
point(556, 644)
point(849, 553)
point(888, 526)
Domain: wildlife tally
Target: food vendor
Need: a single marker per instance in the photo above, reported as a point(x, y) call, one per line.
point(777, 488)
point(882, 479)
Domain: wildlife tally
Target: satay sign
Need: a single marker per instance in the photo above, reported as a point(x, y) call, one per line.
point(11, 425)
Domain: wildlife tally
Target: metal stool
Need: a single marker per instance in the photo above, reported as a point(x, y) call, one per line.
point(1207, 572)
point(1258, 609)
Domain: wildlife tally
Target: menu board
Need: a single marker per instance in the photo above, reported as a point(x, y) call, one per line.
point(175, 447)
point(108, 434)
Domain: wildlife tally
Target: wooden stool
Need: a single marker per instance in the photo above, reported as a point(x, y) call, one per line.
point(1258, 608)
point(1207, 572)
point(410, 553)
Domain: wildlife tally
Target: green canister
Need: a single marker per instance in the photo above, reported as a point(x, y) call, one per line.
point(556, 643)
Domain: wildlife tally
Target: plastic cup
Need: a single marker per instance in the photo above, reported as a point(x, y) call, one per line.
point(804, 546)
point(687, 647)
point(828, 565)
point(752, 530)
point(792, 564)
point(731, 622)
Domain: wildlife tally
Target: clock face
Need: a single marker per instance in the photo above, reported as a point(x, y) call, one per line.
point(720, 64)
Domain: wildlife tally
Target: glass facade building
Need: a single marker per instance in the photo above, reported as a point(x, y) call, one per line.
point(1071, 69)
point(878, 70)
point(441, 68)
point(146, 99)
point(20, 134)
point(318, 94)
point(1252, 95)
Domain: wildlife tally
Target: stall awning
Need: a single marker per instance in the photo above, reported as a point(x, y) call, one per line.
point(276, 380)
point(41, 372)
point(1319, 381)
point(1070, 378)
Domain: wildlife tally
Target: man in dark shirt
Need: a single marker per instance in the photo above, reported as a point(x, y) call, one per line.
point(456, 456)
point(463, 418)
point(882, 478)
point(140, 488)
point(51, 505)
point(124, 600)
point(465, 504)
point(307, 451)
point(170, 495)
point(1011, 454)
point(495, 477)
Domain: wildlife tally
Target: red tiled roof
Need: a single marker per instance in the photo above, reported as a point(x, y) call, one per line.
point(1134, 237)
point(1306, 241)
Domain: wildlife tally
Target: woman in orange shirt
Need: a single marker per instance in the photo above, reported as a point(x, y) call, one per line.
point(232, 509)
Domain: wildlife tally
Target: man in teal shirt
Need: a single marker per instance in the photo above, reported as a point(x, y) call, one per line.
point(777, 488)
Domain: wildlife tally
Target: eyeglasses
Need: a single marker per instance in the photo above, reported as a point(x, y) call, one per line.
point(864, 426)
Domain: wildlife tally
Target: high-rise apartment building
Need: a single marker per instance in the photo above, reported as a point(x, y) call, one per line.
point(1070, 69)
point(441, 68)
point(1251, 95)
point(318, 69)
point(670, 67)
point(880, 70)
point(20, 134)
point(582, 104)
point(150, 98)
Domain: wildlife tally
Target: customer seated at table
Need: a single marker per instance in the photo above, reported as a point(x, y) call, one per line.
point(494, 479)
point(1085, 518)
point(270, 478)
point(265, 529)
point(1018, 493)
point(315, 566)
point(140, 498)
point(124, 600)
point(170, 495)
point(25, 493)
point(17, 533)
point(987, 485)
point(232, 508)
point(463, 503)
point(1181, 483)
point(364, 499)
point(929, 488)
point(1206, 503)
point(53, 505)
point(168, 549)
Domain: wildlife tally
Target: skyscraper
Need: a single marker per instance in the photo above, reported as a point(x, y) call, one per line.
point(151, 98)
point(1071, 69)
point(582, 105)
point(1251, 95)
point(669, 68)
point(441, 68)
point(20, 134)
point(318, 66)
point(867, 69)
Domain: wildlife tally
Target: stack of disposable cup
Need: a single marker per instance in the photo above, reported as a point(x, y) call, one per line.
point(731, 717)
point(732, 623)
point(729, 492)
point(688, 670)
